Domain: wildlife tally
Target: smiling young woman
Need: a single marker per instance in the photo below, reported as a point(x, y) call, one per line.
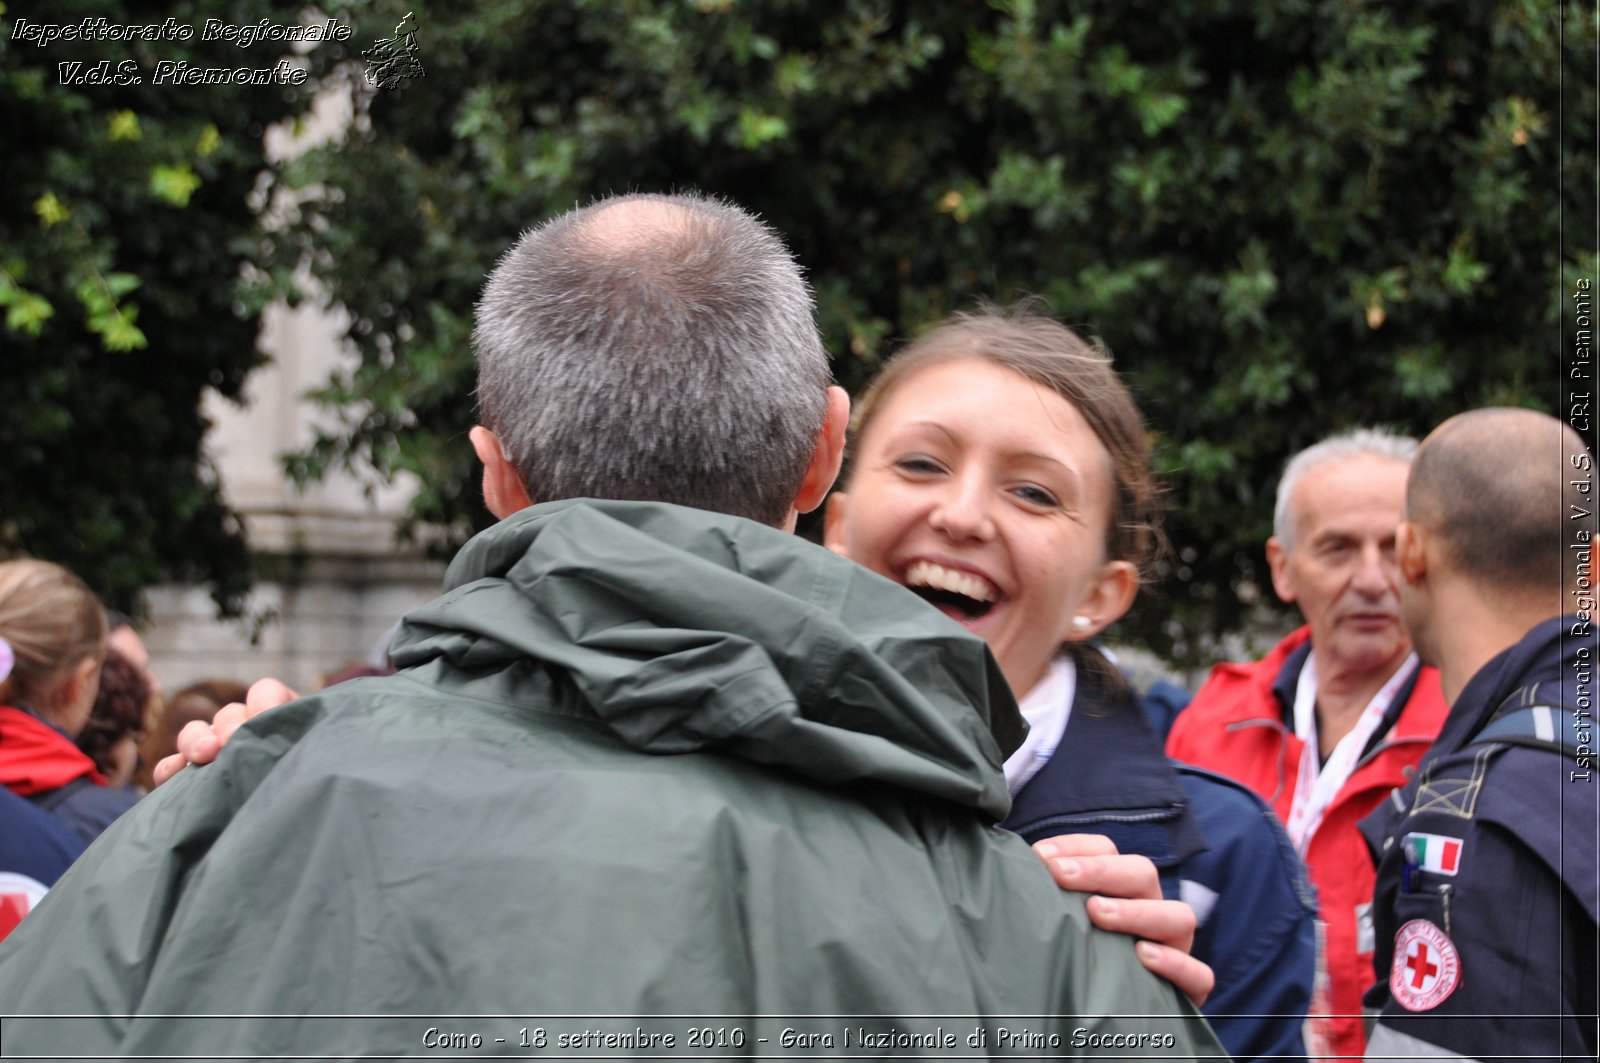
point(979, 481)
point(1001, 470)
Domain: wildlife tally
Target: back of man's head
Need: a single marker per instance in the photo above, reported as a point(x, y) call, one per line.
point(1499, 490)
point(655, 348)
point(1345, 446)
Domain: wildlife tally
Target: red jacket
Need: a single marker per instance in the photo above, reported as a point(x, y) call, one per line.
point(38, 761)
point(1240, 725)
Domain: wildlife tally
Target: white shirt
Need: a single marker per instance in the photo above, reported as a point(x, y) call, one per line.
point(1046, 708)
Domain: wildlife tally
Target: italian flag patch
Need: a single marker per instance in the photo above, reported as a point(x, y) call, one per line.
point(1437, 853)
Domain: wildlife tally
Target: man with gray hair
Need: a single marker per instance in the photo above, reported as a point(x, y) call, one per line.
point(1341, 711)
point(654, 776)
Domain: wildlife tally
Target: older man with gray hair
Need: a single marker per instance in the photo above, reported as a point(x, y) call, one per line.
point(1341, 711)
point(654, 777)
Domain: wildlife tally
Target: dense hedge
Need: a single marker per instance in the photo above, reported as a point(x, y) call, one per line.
point(1283, 218)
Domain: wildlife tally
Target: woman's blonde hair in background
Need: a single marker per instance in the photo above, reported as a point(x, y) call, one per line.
point(52, 621)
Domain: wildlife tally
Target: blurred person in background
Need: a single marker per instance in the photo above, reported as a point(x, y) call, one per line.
point(117, 723)
point(123, 637)
point(353, 670)
point(56, 629)
point(35, 847)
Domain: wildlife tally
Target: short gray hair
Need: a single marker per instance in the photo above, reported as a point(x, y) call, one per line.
point(1355, 443)
point(680, 363)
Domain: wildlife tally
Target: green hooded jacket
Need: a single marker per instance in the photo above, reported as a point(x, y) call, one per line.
point(650, 780)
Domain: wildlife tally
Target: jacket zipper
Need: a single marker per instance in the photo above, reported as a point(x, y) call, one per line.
point(1100, 817)
point(1283, 748)
point(1387, 745)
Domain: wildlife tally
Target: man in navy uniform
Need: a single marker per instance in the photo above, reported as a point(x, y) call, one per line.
point(1486, 893)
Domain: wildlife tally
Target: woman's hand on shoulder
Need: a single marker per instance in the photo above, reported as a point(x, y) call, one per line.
point(1127, 899)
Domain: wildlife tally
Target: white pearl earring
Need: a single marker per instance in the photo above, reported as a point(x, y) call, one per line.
point(1081, 622)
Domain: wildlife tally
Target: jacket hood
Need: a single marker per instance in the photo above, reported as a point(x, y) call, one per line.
point(682, 630)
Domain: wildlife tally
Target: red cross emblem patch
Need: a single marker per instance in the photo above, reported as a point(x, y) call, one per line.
point(1427, 967)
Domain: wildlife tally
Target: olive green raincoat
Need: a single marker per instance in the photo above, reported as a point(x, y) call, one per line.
point(650, 781)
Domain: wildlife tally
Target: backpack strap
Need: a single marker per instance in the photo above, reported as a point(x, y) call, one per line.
point(1540, 727)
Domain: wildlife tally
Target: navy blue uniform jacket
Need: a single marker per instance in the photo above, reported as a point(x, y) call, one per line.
point(1487, 951)
point(1216, 845)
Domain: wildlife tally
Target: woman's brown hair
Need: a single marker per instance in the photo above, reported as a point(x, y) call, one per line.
point(119, 710)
